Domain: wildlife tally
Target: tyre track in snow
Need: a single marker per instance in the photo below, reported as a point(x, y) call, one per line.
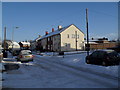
point(80, 72)
point(87, 70)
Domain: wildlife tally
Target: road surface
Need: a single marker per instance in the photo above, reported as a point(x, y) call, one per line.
point(51, 72)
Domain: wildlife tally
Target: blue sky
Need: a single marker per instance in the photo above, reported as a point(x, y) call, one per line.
point(0, 21)
point(34, 19)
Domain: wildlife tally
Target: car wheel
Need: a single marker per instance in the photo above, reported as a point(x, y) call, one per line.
point(87, 61)
point(104, 63)
point(18, 59)
point(31, 60)
point(22, 61)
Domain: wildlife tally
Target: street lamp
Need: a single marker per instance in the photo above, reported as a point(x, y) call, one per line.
point(13, 37)
point(13, 32)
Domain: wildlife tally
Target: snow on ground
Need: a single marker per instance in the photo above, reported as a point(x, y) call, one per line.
point(57, 53)
point(30, 76)
point(23, 78)
point(58, 72)
point(78, 60)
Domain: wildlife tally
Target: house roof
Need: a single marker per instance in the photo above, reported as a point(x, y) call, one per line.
point(15, 43)
point(90, 42)
point(27, 43)
point(35, 40)
point(57, 32)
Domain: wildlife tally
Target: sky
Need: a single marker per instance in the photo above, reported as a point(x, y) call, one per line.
point(0, 21)
point(34, 18)
point(60, 0)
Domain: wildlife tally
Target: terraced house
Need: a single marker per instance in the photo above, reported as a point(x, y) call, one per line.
point(69, 38)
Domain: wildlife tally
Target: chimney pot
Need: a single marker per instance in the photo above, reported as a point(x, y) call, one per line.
point(46, 33)
point(52, 29)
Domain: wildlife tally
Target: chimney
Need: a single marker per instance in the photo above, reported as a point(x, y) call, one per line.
point(52, 29)
point(39, 35)
point(46, 33)
point(59, 27)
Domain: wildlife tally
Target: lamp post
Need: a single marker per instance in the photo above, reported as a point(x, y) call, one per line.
point(13, 37)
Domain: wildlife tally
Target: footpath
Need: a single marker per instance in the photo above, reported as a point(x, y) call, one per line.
point(57, 53)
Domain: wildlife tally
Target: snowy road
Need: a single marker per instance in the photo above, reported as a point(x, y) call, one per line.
point(58, 72)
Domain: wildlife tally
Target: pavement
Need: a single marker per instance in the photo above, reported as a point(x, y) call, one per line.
point(57, 53)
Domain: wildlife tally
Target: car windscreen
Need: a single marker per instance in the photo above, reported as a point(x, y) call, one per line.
point(98, 54)
point(94, 54)
point(26, 53)
point(113, 54)
point(0, 50)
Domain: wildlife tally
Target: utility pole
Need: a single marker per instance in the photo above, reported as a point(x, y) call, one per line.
point(76, 39)
point(5, 38)
point(4, 51)
point(88, 46)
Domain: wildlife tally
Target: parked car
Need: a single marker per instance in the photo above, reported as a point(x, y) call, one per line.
point(103, 57)
point(25, 56)
point(15, 52)
point(5, 53)
point(1, 55)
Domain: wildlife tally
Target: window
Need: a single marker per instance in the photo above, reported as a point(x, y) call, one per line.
point(59, 43)
point(113, 54)
point(80, 45)
point(101, 54)
point(73, 36)
point(94, 54)
point(68, 45)
point(26, 53)
point(48, 39)
point(65, 44)
point(67, 35)
point(54, 38)
point(77, 36)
